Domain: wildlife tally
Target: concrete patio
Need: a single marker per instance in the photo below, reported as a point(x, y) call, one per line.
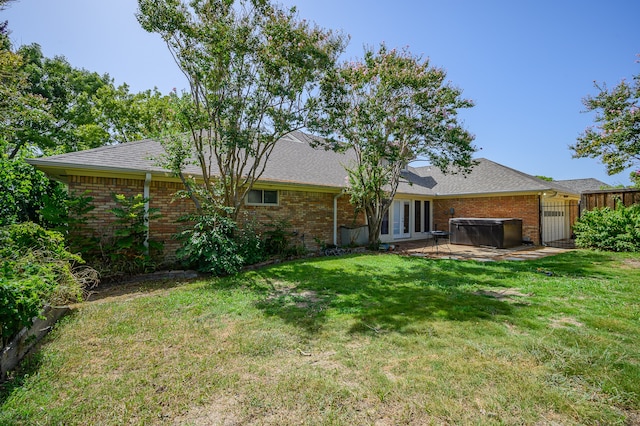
point(443, 249)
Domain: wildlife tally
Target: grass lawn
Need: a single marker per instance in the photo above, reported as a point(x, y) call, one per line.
point(369, 339)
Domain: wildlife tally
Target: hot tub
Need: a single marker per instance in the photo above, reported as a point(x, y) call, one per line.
point(491, 232)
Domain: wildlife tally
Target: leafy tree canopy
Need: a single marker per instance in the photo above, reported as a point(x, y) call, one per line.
point(615, 138)
point(48, 107)
point(252, 67)
point(390, 108)
point(86, 109)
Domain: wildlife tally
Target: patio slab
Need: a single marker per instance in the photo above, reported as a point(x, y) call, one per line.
point(444, 249)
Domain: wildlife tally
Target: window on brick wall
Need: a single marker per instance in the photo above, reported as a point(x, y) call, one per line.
point(262, 197)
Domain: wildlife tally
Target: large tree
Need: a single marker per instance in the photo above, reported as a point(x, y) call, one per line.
point(390, 108)
point(22, 114)
point(252, 68)
point(615, 138)
point(87, 109)
point(47, 107)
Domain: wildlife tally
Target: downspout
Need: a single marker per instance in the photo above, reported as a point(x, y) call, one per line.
point(146, 195)
point(335, 218)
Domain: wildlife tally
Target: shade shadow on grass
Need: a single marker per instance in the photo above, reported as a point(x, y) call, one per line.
point(29, 366)
point(576, 263)
point(141, 287)
point(396, 298)
point(396, 295)
point(17, 378)
point(389, 299)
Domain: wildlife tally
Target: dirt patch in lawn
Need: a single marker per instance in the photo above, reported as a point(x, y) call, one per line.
point(564, 322)
point(631, 263)
point(633, 417)
point(221, 411)
point(507, 294)
point(301, 299)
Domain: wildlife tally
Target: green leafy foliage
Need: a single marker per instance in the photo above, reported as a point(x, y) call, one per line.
point(66, 213)
point(251, 247)
point(609, 229)
point(23, 113)
point(212, 242)
point(615, 139)
point(132, 250)
point(634, 176)
point(86, 110)
point(23, 190)
point(252, 68)
point(209, 245)
point(47, 106)
point(30, 236)
point(35, 269)
point(390, 108)
point(277, 239)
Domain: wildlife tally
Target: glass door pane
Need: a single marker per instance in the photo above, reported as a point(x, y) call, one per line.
point(406, 219)
point(397, 218)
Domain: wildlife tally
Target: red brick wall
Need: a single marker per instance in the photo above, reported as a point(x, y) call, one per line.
point(309, 213)
point(525, 207)
point(101, 224)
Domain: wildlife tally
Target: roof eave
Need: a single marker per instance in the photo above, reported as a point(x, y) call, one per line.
point(61, 171)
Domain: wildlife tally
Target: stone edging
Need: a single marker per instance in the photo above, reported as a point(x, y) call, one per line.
point(27, 338)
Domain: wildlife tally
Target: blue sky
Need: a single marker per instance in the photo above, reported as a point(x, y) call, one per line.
point(527, 64)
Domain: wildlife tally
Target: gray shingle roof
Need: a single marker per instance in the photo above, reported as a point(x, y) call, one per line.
point(486, 177)
point(581, 185)
point(294, 161)
point(128, 157)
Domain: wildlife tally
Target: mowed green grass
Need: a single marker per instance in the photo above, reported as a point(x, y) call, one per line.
point(370, 339)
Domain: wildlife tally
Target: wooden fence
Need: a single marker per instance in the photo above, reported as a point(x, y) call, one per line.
point(608, 198)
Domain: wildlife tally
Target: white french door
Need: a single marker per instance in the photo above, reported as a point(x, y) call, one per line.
point(401, 219)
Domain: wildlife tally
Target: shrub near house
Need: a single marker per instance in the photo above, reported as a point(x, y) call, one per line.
point(610, 229)
point(35, 270)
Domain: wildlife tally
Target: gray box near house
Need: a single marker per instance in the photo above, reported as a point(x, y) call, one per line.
point(350, 236)
point(491, 232)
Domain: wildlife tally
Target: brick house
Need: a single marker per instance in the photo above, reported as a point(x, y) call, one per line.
point(305, 186)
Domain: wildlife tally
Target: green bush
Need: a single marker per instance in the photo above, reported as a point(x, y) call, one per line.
point(278, 240)
point(250, 245)
point(23, 189)
point(16, 240)
point(610, 230)
point(214, 243)
point(209, 245)
point(35, 270)
point(131, 248)
point(68, 213)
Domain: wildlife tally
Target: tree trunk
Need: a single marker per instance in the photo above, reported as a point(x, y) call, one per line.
point(374, 232)
point(374, 219)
